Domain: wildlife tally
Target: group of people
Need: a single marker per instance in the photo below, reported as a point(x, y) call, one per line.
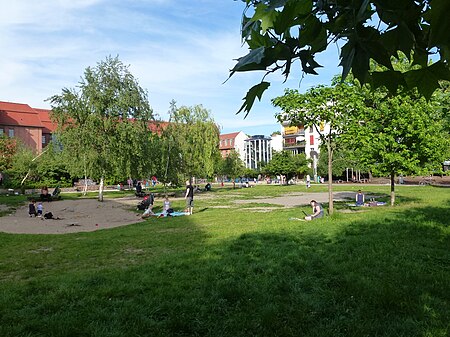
point(167, 209)
point(35, 210)
point(317, 208)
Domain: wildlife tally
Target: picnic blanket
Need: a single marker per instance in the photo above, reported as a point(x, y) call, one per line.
point(369, 204)
point(162, 214)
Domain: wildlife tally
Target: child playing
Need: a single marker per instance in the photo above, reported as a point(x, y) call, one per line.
point(40, 208)
point(32, 208)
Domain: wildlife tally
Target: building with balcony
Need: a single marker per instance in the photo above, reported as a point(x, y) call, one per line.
point(294, 139)
point(258, 150)
point(301, 139)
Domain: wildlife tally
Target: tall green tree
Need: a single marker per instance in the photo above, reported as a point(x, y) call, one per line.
point(279, 33)
point(401, 134)
point(327, 109)
point(103, 123)
point(194, 138)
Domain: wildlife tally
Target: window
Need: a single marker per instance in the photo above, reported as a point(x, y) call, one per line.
point(43, 139)
point(11, 133)
point(2, 132)
point(311, 129)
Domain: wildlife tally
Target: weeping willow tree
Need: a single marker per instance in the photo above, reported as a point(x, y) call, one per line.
point(103, 123)
point(191, 144)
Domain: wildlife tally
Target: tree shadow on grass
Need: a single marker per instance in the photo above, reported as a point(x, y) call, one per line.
point(383, 277)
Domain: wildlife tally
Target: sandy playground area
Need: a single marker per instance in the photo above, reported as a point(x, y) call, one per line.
point(80, 215)
point(87, 215)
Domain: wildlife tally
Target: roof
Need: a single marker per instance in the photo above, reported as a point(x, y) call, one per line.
point(229, 135)
point(44, 115)
point(17, 114)
point(157, 126)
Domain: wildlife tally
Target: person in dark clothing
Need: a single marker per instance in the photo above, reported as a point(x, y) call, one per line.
point(45, 196)
point(189, 198)
point(32, 208)
point(138, 187)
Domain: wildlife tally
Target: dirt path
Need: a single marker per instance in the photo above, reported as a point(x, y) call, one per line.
point(299, 199)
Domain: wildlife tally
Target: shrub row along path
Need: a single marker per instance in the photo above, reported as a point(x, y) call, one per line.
point(86, 215)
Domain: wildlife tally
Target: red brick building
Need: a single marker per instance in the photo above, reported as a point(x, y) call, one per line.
point(32, 126)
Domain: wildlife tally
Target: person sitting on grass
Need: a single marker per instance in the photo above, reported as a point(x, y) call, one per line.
point(166, 207)
point(359, 198)
point(317, 211)
point(148, 212)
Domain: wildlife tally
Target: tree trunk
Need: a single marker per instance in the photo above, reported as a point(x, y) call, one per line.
point(100, 190)
point(330, 179)
point(85, 177)
point(85, 184)
point(392, 189)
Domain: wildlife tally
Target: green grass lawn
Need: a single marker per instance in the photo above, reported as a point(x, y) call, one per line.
point(235, 272)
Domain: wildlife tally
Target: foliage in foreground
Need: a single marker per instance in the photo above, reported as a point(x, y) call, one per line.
point(223, 272)
point(280, 32)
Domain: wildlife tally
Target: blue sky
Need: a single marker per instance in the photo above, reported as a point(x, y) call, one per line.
point(177, 49)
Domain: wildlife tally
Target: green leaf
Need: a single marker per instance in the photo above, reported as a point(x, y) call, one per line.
point(440, 24)
point(265, 15)
point(292, 10)
point(249, 99)
point(390, 79)
point(361, 64)
point(251, 61)
point(423, 80)
point(347, 56)
point(258, 40)
point(363, 10)
point(308, 62)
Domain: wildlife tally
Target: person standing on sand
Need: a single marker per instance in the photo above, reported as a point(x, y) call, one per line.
point(189, 198)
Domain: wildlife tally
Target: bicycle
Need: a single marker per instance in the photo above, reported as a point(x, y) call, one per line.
point(427, 181)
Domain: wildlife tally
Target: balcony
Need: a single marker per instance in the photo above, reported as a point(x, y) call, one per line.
point(293, 133)
point(297, 144)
